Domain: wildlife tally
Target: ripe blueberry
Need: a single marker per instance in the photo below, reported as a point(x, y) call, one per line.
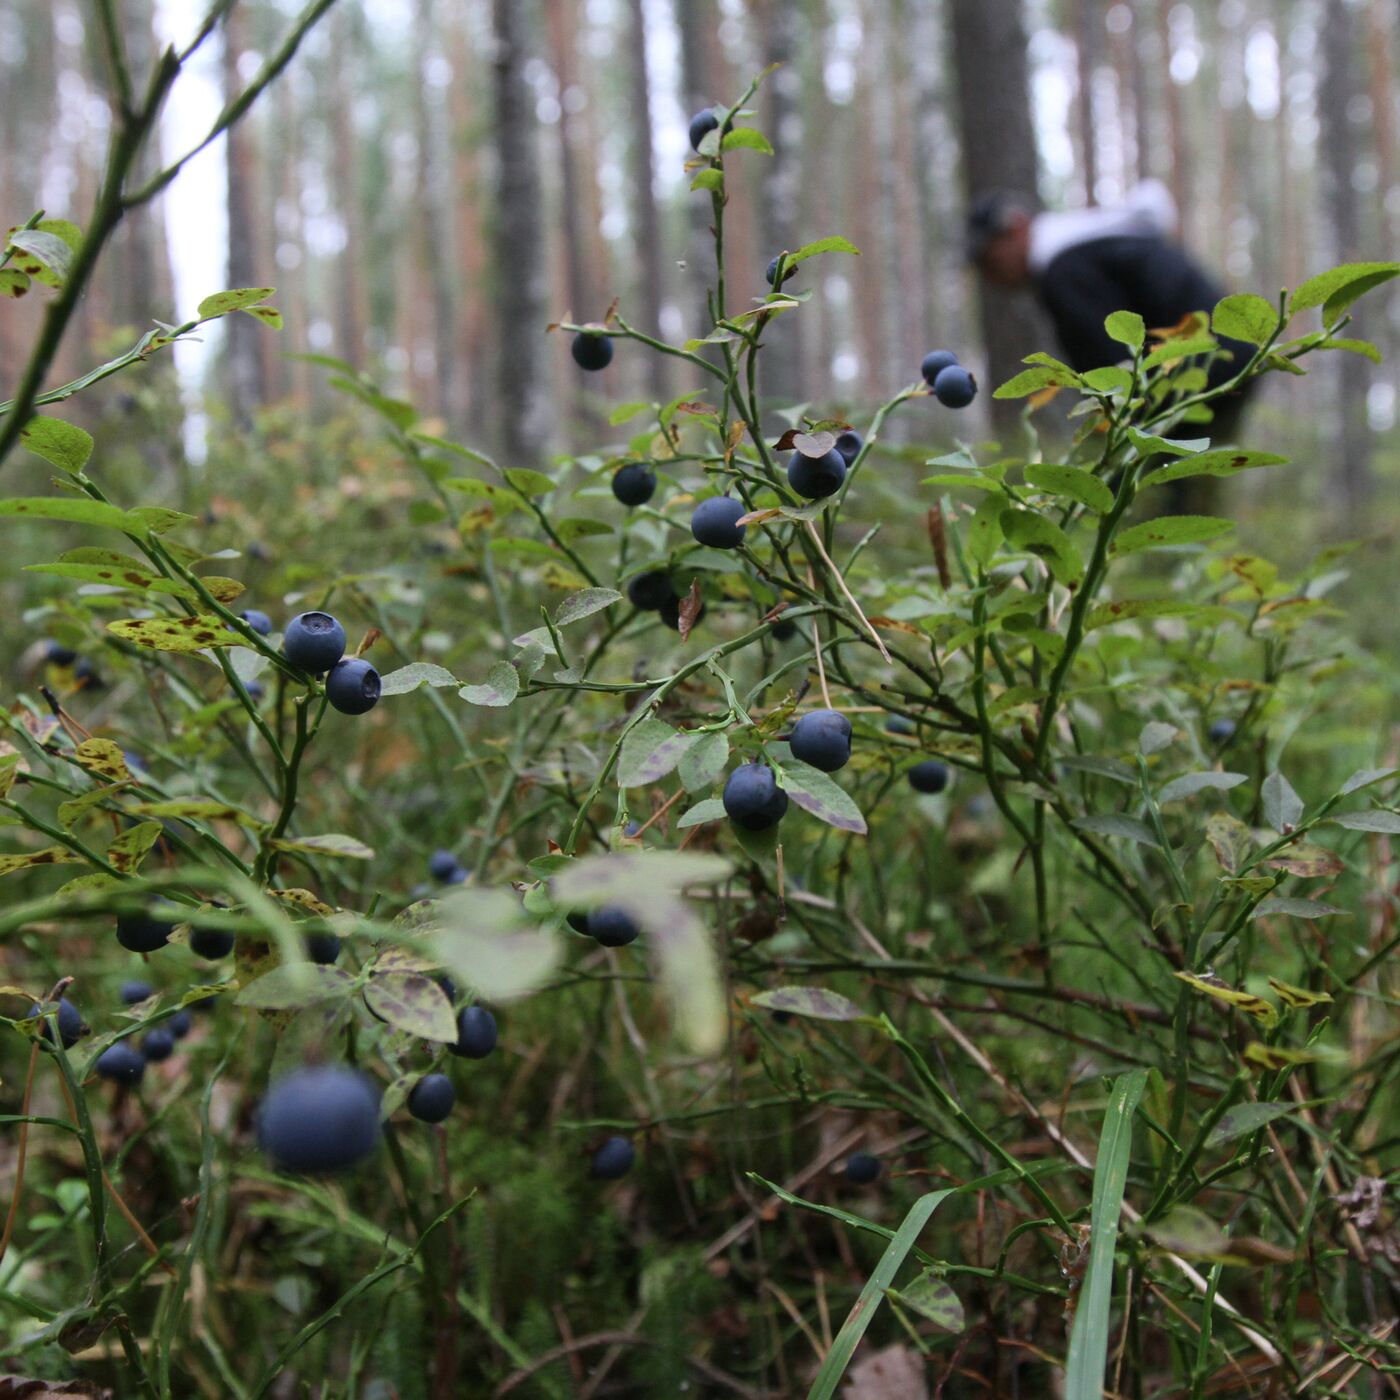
point(929, 776)
point(934, 363)
point(211, 943)
point(783, 630)
point(431, 1099)
point(180, 1024)
point(59, 654)
point(700, 125)
point(789, 271)
point(352, 686)
point(823, 739)
point(592, 350)
point(256, 690)
point(1221, 731)
point(140, 932)
point(613, 927)
point(260, 622)
point(752, 797)
point(634, 484)
point(159, 1044)
point(897, 724)
point(848, 444)
point(442, 866)
point(322, 947)
point(650, 591)
point(122, 1062)
point(816, 477)
point(313, 641)
point(579, 921)
point(955, 387)
point(714, 520)
point(476, 1033)
point(862, 1168)
point(614, 1159)
point(70, 1022)
point(86, 672)
point(319, 1120)
point(132, 992)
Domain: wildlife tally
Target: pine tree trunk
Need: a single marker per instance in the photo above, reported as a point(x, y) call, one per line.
point(646, 224)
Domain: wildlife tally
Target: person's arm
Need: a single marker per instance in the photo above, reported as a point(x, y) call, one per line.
point(1080, 290)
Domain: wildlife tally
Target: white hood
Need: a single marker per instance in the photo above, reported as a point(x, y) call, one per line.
point(1148, 210)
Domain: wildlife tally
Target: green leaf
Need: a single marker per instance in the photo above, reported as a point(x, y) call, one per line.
point(1319, 290)
point(1149, 444)
point(1245, 317)
point(528, 482)
point(1116, 824)
point(332, 844)
point(585, 603)
point(1387, 822)
point(412, 1002)
point(1155, 737)
point(984, 530)
point(1230, 839)
point(270, 316)
point(834, 244)
point(1028, 381)
point(181, 634)
point(865, 1306)
point(79, 509)
point(1363, 348)
point(53, 253)
point(708, 179)
point(240, 299)
point(710, 810)
point(746, 138)
point(1171, 530)
point(1220, 461)
point(290, 986)
point(416, 673)
point(1130, 609)
point(1192, 783)
point(500, 688)
point(1364, 777)
point(1038, 535)
point(1294, 908)
point(650, 750)
point(1101, 767)
point(818, 793)
point(484, 942)
point(625, 411)
point(1088, 1339)
point(66, 446)
point(1245, 1118)
point(126, 853)
point(703, 762)
point(1127, 328)
point(1283, 808)
point(815, 1002)
point(1189, 1232)
point(13, 282)
point(1074, 482)
point(932, 1296)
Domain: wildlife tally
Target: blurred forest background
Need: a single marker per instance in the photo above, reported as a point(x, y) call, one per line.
point(433, 181)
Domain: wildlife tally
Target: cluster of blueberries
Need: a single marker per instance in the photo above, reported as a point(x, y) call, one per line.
point(315, 642)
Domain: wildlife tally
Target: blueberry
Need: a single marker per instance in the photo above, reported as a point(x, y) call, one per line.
point(862, 1168)
point(431, 1099)
point(650, 591)
point(319, 1120)
point(442, 865)
point(700, 125)
point(815, 478)
point(449, 987)
point(848, 444)
point(592, 350)
point(789, 271)
point(314, 642)
point(86, 672)
point(955, 387)
point(670, 613)
point(1221, 731)
point(159, 1044)
point(256, 690)
point(132, 992)
point(260, 622)
point(613, 927)
point(122, 1062)
point(210, 943)
point(783, 630)
point(322, 947)
point(752, 797)
point(59, 654)
point(934, 363)
point(634, 484)
point(579, 921)
point(897, 724)
point(460, 875)
point(352, 686)
point(614, 1159)
point(134, 761)
point(928, 776)
point(70, 1022)
point(823, 739)
point(714, 524)
point(140, 933)
point(476, 1033)
point(180, 1024)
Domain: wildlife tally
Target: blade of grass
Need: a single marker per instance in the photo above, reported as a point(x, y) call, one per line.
point(872, 1295)
point(1088, 1340)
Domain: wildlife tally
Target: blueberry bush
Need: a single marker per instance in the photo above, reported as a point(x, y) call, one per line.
point(666, 915)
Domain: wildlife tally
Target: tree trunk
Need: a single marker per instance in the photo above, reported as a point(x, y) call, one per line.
point(522, 410)
point(998, 152)
point(1340, 82)
point(1088, 19)
point(646, 224)
point(350, 301)
point(697, 78)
